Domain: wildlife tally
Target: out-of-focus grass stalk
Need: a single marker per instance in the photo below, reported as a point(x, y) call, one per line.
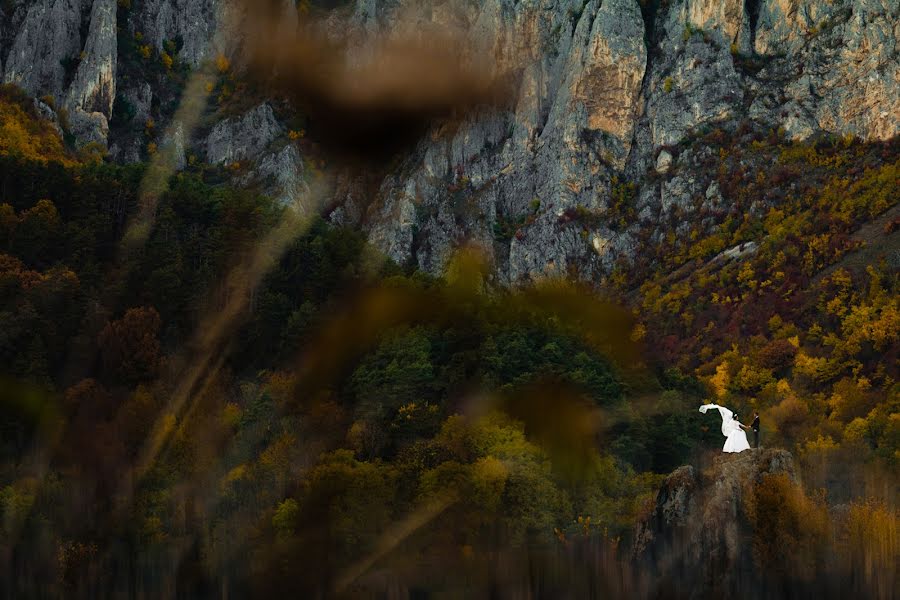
point(156, 179)
point(210, 343)
point(163, 164)
point(394, 536)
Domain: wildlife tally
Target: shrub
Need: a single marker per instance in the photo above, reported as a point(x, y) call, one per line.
point(167, 60)
point(777, 354)
point(223, 65)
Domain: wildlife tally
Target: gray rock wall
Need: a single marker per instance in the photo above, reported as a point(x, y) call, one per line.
point(603, 91)
point(47, 37)
point(595, 102)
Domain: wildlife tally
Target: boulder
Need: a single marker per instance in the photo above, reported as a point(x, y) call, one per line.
point(697, 542)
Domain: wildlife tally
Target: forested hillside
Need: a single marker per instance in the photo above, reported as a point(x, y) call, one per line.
point(374, 426)
point(419, 298)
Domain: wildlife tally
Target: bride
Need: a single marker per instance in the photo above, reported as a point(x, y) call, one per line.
point(732, 429)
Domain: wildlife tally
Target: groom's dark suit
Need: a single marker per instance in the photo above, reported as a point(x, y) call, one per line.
point(755, 427)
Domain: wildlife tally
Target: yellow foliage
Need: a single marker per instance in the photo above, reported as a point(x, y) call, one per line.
point(750, 378)
point(639, 332)
point(819, 369)
point(280, 384)
point(231, 415)
point(167, 61)
point(807, 153)
point(877, 323)
point(223, 65)
point(236, 474)
point(820, 445)
point(857, 430)
point(24, 134)
point(720, 380)
point(789, 417)
point(489, 476)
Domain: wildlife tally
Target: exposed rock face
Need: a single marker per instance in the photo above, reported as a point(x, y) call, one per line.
point(571, 127)
point(174, 143)
point(697, 538)
point(89, 127)
point(243, 137)
point(606, 94)
point(193, 22)
point(594, 104)
point(277, 168)
point(280, 175)
point(48, 56)
point(46, 39)
point(94, 87)
point(47, 113)
point(845, 56)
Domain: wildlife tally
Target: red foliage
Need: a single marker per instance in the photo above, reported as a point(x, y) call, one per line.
point(777, 354)
point(130, 348)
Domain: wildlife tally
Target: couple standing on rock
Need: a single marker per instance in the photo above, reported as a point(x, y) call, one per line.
point(733, 429)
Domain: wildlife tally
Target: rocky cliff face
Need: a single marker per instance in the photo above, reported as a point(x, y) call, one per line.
point(606, 89)
point(598, 106)
point(697, 542)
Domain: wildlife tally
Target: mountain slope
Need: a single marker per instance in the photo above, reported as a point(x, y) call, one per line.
point(605, 91)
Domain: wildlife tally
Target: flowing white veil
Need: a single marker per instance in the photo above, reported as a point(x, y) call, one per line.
point(728, 424)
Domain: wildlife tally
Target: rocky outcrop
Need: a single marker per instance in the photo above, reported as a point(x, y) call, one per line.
point(89, 127)
point(697, 541)
point(280, 174)
point(93, 90)
point(47, 39)
point(274, 167)
point(174, 143)
point(194, 23)
point(239, 138)
point(840, 63)
point(605, 93)
point(594, 103)
point(203, 29)
point(48, 56)
point(94, 86)
point(581, 69)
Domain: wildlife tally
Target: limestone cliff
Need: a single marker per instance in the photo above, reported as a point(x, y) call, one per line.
point(606, 89)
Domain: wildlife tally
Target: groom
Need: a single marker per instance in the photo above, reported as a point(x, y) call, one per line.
point(755, 427)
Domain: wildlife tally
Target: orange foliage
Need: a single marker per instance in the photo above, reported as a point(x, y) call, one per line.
point(129, 347)
point(23, 133)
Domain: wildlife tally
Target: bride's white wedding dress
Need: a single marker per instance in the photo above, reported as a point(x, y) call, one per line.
point(735, 437)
